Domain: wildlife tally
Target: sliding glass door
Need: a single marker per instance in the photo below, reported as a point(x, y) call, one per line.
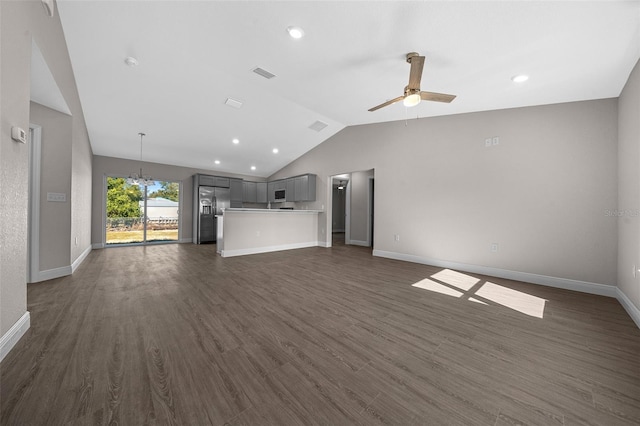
point(141, 214)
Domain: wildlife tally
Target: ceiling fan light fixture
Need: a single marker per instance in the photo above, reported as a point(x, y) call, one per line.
point(412, 100)
point(131, 61)
point(295, 32)
point(520, 78)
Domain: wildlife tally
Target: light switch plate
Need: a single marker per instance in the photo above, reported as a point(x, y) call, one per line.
point(58, 197)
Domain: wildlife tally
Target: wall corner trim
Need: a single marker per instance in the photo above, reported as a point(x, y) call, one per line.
point(13, 335)
point(628, 306)
point(80, 259)
point(565, 283)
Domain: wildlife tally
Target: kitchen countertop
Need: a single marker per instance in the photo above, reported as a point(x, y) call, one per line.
point(243, 210)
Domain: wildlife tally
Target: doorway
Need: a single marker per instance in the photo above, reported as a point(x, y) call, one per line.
point(141, 214)
point(352, 199)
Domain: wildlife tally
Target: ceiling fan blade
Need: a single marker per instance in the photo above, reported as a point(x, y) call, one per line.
point(415, 75)
point(392, 101)
point(438, 97)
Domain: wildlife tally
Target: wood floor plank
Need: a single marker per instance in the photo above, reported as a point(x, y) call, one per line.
point(175, 335)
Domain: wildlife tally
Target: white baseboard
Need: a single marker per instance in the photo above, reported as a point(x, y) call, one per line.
point(324, 244)
point(628, 306)
point(13, 335)
point(97, 246)
point(267, 249)
point(568, 284)
point(50, 274)
point(359, 243)
point(80, 259)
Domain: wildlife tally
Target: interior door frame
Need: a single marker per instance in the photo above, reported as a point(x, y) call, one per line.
point(35, 170)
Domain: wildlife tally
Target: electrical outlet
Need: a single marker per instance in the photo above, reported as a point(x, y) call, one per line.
point(494, 247)
point(257, 233)
point(76, 241)
point(496, 140)
point(487, 142)
point(396, 237)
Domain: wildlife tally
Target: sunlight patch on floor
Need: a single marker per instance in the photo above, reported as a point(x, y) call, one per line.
point(427, 284)
point(456, 279)
point(459, 285)
point(514, 299)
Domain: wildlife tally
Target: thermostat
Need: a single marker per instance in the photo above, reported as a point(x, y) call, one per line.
point(18, 135)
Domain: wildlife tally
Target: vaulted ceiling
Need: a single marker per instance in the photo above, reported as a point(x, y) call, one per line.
point(194, 55)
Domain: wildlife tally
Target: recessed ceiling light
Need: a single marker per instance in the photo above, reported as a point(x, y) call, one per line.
point(295, 32)
point(131, 61)
point(253, 167)
point(217, 161)
point(236, 141)
point(519, 78)
point(275, 150)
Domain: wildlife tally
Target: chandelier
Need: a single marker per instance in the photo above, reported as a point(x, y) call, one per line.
point(140, 179)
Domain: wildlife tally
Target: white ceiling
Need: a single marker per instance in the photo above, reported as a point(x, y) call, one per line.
point(193, 55)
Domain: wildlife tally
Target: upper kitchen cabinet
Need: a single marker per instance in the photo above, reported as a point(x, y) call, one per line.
point(250, 192)
point(236, 192)
point(261, 192)
point(305, 188)
point(291, 190)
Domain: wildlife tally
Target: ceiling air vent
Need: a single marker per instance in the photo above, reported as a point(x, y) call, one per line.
point(233, 103)
point(264, 73)
point(318, 125)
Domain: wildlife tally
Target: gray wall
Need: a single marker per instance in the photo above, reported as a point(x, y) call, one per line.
point(55, 176)
point(360, 220)
point(117, 167)
point(22, 21)
point(540, 194)
point(629, 188)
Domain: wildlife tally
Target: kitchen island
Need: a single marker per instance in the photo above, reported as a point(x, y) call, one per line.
point(251, 231)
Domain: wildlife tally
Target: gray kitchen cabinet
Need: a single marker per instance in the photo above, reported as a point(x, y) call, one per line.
point(301, 188)
point(291, 189)
point(305, 188)
point(271, 192)
point(204, 180)
point(249, 190)
point(261, 192)
point(236, 192)
point(221, 182)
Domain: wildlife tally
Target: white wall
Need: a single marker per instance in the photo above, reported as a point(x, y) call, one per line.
point(629, 188)
point(22, 21)
point(541, 194)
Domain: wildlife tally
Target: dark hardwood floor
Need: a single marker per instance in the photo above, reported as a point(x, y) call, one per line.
point(173, 334)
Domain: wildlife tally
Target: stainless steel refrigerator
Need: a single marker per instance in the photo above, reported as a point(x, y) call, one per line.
point(211, 200)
